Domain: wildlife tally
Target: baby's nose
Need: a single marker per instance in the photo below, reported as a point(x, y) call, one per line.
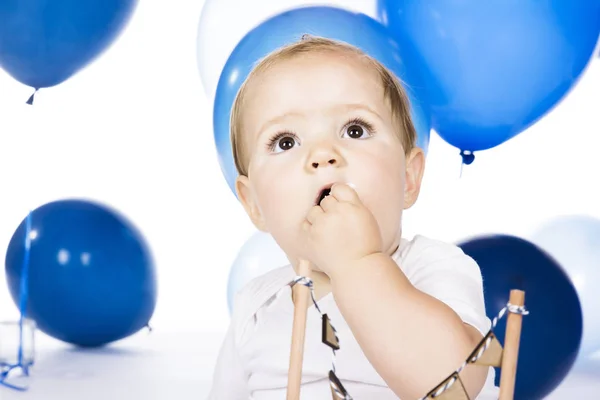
point(326, 161)
point(323, 155)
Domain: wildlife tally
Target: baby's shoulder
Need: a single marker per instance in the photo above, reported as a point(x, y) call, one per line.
point(264, 285)
point(258, 291)
point(428, 249)
point(423, 254)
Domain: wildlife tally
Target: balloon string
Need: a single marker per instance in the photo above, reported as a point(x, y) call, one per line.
point(467, 157)
point(5, 369)
point(30, 101)
point(24, 285)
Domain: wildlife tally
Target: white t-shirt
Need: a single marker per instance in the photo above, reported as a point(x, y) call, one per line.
point(253, 361)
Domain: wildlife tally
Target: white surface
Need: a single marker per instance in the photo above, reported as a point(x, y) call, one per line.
point(163, 365)
point(147, 366)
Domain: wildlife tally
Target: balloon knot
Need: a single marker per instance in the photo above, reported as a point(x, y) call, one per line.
point(467, 157)
point(30, 101)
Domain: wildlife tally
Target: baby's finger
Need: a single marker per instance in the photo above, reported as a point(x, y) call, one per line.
point(306, 226)
point(328, 203)
point(313, 214)
point(344, 192)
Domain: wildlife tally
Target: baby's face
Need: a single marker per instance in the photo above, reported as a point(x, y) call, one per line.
point(312, 121)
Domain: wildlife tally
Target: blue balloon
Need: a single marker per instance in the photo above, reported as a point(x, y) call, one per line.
point(334, 23)
point(551, 333)
point(43, 43)
point(91, 278)
point(496, 66)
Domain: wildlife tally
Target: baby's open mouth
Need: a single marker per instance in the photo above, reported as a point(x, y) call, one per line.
point(322, 194)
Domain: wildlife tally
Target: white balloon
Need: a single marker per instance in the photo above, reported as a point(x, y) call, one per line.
point(260, 254)
point(574, 242)
point(223, 23)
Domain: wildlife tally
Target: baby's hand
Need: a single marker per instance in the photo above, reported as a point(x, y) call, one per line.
point(340, 230)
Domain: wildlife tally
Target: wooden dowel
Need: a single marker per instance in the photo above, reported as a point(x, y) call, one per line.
point(301, 298)
point(510, 353)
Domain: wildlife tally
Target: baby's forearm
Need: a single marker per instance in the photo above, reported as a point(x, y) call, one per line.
point(413, 340)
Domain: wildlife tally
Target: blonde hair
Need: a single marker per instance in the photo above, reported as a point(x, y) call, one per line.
point(393, 91)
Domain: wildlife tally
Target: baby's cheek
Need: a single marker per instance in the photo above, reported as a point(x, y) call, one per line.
point(278, 204)
point(387, 199)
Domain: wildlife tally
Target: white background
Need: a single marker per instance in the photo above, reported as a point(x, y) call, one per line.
point(134, 130)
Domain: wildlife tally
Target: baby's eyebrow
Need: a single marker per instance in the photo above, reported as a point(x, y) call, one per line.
point(357, 106)
point(339, 108)
point(278, 119)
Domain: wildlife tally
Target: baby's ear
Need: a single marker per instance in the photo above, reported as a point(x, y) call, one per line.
point(415, 166)
point(244, 193)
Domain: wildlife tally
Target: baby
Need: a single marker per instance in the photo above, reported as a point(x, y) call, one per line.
point(318, 117)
